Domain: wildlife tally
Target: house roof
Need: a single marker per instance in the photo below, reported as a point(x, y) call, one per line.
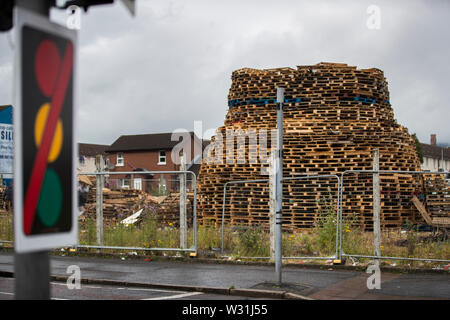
point(141, 142)
point(205, 143)
point(195, 168)
point(436, 152)
point(90, 150)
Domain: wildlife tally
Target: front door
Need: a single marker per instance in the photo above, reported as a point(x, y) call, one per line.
point(138, 183)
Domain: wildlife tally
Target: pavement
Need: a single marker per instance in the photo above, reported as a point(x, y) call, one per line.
point(223, 280)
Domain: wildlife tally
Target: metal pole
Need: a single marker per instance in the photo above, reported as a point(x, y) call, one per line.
point(341, 193)
point(183, 231)
point(279, 185)
point(376, 206)
point(223, 214)
point(32, 270)
point(272, 203)
point(32, 276)
point(194, 222)
point(99, 199)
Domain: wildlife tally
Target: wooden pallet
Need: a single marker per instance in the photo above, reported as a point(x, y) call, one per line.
point(119, 204)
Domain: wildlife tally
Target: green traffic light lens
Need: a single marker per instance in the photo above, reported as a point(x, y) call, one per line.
point(50, 200)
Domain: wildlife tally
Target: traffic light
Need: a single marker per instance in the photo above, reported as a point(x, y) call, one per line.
point(47, 126)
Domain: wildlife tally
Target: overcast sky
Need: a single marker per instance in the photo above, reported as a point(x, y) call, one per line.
point(171, 64)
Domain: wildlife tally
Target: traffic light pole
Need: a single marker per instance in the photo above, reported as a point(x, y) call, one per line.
point(32, 276)
point(32, 270)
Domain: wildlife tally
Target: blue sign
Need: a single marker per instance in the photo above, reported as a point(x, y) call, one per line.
point(6, 143)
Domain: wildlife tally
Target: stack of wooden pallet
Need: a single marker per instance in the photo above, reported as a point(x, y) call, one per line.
point(169, 209)
point(119, 204)
point(437, 195)
point(334, 116)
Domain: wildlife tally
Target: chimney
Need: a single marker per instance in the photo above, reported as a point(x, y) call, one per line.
point(433, 139)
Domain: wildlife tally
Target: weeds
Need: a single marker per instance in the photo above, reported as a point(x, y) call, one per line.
point(326, 224)
point(252, 242)
point(255, 242)
point(208, 237)
point(411, 239)
point(6, 227)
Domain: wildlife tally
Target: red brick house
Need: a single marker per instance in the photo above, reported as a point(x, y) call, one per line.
point(151, 152)
point(86, 156)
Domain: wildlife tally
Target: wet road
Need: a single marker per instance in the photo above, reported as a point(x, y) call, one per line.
point(60, 291)
point(319, 284)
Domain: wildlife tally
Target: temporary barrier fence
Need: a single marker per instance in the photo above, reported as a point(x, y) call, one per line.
point(193, 247)
point(340, 212)
point(306, 177)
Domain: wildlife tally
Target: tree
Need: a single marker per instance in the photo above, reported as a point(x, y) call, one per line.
point(418, 148)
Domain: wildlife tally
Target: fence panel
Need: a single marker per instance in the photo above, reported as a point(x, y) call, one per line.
point(136, 220)
point(412, 202)
point(309, 202)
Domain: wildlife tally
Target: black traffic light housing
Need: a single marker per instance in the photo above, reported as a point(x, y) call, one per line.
point(85, 4)
point(6, 9)
point(6, 13)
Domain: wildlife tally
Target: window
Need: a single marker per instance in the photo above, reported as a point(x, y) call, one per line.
point(125, 183)
point(162, 157)
point(119, 160)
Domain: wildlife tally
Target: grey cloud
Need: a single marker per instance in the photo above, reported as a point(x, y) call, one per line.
point(171, 64)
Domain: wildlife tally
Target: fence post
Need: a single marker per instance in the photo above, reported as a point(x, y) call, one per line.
point(99, 199)
point(272, 203)
point(183, 224)
point(376, 206)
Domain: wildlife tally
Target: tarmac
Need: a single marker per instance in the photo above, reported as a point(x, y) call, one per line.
point(252, 280)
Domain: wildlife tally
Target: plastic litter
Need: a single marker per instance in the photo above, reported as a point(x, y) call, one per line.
point(132, 219)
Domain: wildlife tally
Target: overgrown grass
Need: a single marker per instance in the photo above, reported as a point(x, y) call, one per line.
point(253, 241)
point(146, 234)
point(6, 227)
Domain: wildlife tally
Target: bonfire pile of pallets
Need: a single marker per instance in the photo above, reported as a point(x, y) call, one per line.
point(335, 115)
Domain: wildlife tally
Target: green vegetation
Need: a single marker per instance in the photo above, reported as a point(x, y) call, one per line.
point(159, 191)
point(6, 227)
point(418, 148)
point(252, 242)
point(248, 241)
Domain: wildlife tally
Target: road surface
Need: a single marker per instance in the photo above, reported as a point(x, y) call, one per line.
point(314, 283)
